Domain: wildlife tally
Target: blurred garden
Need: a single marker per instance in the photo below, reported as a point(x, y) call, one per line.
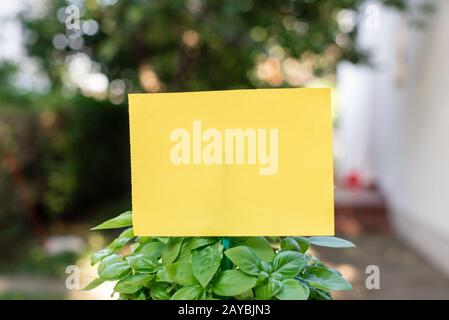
point(66, 67)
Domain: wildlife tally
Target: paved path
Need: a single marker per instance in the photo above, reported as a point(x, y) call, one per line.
point(404, 274)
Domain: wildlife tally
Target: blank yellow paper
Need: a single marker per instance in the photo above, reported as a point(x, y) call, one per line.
point(274, 184)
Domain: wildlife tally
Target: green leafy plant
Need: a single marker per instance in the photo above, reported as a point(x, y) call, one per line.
point(196, 268)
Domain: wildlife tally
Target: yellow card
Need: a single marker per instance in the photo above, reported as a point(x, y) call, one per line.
point(232, 163)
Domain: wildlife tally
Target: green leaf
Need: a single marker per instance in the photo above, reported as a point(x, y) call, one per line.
point(290, 244)
point(118, 244)
point(233, 282)
point(326, 279)
point(162, 239)
point(199, 242)
point(100, 255)
point(289, 263)
point(245, 259)
point(206, 261)
point(133, 284)
point(185, 254)
point(259, 245)
point(121, 240)
point(123, 220)
point(139, 295)
point(331, 242)
point(143, 240)
point(189, 293)
point(303, 243)
point(277, 275)
point(269, 289)
point(171, 249)
point(267, 267)
point(159, 292)
point(181, 273)
point(142, 264)
point(152, 249)
point(247, 295)
point(128, 233)
point(318, 294)
point(293, 290)
point(262, 277)
point(162, 275)
point(93, 284)
point(113, 267)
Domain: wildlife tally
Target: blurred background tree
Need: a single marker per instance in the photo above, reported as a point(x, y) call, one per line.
point(64, 141)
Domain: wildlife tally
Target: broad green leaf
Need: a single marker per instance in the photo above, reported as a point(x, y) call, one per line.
point(259, 245)
point(185, 254)
point(247, 295)
point(194, 292)
point(289, 263)
point(331, 242)
point(290, 244)
point(159, 292)
point(139, 295)
point(118, 244)
point(326, 279)
point(132, 284)
point(233, 282)
point(93, 284)
point(152, 249)
point(293, 290)
point(100, 255)
point(181, 273)
point(162, 239)
point(262, 277)
point(128, 233)
point(121, 221)
point(199, 242)
point(141, 263)
point(162, 275)
point(267, 267)
point(318, 294)
point(171, 249)
point(277, 275)
point(269, 289)
point(143, 240)
point(303, 243)
point(113, 267)
point(206, 261)
point(245, 259)
point(121, 240)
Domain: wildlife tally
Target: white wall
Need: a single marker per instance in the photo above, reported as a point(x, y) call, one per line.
point(407, 113)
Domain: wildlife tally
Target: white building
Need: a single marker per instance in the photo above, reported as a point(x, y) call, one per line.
point(395, 123)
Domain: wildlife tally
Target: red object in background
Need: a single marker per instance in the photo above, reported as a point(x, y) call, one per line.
point(359, 207)
point(353, 180)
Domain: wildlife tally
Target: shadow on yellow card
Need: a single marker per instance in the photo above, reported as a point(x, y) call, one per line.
point(232, 163)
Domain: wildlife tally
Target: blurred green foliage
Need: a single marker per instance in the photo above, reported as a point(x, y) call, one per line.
point(226, 39)
point(65, 147)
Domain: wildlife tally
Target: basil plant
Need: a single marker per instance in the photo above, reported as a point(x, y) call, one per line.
point(196, 268)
